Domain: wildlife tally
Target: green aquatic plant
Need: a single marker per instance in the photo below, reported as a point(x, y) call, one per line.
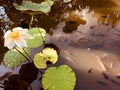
point(59, 78)
point(21, 41)
point(17, 54)
point(13, 58)
point(32, 8)
point(35, 8)
point(38, 37)
point(54, 77)
point(48, 54)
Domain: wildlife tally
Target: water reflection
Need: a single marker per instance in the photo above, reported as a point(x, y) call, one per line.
point(86, 48)
point(108, 8)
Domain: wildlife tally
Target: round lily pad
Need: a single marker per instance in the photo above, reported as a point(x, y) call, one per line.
point(51, 54)
point(48, 54)
point(13, 58)
point(38, 37)
point(61, 78)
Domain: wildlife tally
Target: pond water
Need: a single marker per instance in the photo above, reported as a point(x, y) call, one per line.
point(88, 39)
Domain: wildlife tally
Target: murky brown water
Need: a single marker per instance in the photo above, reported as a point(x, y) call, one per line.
point(88, 39)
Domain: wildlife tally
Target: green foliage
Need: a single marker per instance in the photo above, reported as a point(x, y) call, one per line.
point(46, 6)
point(38, 37)
point(35, 8)
point(51, 54)
point(48, 54)
point(13, 58)
point(61, 78)
point(40, 60)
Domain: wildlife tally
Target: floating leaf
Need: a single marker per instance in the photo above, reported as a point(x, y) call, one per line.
point(38, 37)
point(51, 54)
point(13, 58)
point(34, 8)
point(48, 54)
point(46, 6)
point(61, 78)
point(40, 60)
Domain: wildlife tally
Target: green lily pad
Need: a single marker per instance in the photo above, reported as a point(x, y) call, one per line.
point(46, 6)
point(13, 58)
point(38, 37)
point(48, 54)
point(35, 8)
point(40, 60)
point(61, 78)
point(51, 54)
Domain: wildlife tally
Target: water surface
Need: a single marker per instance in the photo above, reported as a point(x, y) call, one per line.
point(88, 39)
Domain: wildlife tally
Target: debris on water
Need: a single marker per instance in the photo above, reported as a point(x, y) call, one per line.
point(101, 83)
point(115, 82)
point(105, 76)
point(90, 70)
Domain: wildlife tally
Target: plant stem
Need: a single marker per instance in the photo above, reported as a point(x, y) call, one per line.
point(41, 36)
point(23, 54)
point(41, 72)
point(32, 19)
point(27, 54)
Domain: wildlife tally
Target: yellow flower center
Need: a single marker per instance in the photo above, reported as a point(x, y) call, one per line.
point(14, 35)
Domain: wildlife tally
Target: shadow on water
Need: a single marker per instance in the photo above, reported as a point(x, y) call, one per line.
point(85, 39)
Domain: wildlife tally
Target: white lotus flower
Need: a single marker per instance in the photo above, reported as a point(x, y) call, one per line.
point(16, 37)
